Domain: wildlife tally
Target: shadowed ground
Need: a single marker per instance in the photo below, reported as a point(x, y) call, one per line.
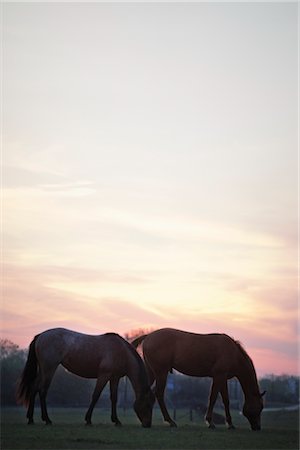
point(280, 431)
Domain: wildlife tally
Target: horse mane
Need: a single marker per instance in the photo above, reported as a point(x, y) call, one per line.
point(248, 360)
point(244, 353)
point(141, 366)
point(241, 348)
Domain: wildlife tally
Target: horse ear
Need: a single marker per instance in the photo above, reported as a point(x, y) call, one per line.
point(262, 393)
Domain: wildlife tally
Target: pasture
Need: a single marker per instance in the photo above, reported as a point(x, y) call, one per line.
point(280, 431)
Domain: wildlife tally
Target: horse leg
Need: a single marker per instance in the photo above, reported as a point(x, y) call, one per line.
point(214, 390)
point(30, 409)
point(225, 398)
point(159, 392)
point(100, 384)
point(46, 379)
point(149, 371)
point(44, 412)
point(114, 383)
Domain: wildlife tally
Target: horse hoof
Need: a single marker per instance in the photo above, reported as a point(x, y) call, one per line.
point(211, 426)
point(231, 427)
point(30, 422)
point(88, 424)
point(173, 425)
point(118, 424)
point(48, 422)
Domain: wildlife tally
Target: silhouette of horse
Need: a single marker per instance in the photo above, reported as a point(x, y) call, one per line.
point(202, 355)
point(107, 357)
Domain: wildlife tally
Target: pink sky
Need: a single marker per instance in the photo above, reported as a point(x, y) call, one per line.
point(150, 179)
point(33, 304)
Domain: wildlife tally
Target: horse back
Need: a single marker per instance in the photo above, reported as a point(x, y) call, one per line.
point(82, 354)
point(190, 353)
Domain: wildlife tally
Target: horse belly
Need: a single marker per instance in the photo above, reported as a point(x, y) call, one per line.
point(193, 370)
point(195, 363)
point(85, 369)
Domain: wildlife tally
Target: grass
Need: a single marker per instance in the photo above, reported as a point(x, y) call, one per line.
point(280, 431)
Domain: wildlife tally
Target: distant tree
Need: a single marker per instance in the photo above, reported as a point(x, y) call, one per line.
point(12, 362)
point(280, 389)
point(7, 348)
point(136, 332)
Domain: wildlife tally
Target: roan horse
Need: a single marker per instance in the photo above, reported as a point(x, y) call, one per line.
point(107, 357)
point(202, 355)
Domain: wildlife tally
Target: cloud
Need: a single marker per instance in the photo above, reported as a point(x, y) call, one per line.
point(22, 182)
point(69, 189)
point(17, 177)
point(52, 273)
point(191, 230)
point(31, 302)
point(34, 301)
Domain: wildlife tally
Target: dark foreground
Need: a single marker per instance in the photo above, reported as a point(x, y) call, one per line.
point(280, 431)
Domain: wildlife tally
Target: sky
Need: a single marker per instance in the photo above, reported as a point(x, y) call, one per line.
point(150, 171)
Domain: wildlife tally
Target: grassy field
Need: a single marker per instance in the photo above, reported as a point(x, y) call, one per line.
point(280, 431)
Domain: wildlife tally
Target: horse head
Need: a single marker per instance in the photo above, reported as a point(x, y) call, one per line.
point(252, 410)
point(143, 406)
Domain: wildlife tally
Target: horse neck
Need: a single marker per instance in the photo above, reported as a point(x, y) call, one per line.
point(136, 374)
point(247, 377)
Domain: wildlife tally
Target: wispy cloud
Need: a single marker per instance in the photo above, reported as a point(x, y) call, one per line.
point(69, 189)
point(46, 297)
point(29, 292)
point(17, 181)
point(178, 228)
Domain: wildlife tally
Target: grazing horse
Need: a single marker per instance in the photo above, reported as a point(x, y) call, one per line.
point(107, 357)
point(202, 355)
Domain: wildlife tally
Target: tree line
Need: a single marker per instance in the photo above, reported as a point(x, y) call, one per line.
point(69, 390)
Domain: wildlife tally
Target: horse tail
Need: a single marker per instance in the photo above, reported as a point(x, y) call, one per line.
point(136, 342)
point(28, 375)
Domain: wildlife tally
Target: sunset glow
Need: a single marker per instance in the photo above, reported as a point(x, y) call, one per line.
point(150, 178)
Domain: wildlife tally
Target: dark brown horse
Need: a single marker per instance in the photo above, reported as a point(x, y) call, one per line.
point(107, 357)
point(202, 355)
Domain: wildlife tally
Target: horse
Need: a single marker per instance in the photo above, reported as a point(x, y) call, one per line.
point(202, 355)
point(107, 357)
